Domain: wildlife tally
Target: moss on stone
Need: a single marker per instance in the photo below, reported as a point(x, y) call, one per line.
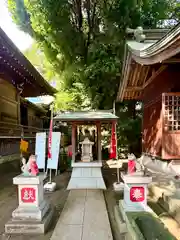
point(148, 227)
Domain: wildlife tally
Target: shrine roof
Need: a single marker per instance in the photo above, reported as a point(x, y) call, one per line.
point(86, 116)
point(17, 69)
point(145, 58)
point(36, 107)
point(152, 51)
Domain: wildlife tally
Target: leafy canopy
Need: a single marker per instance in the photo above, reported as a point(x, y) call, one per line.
point(65, 99)
point(88, 35)
point(84, 42)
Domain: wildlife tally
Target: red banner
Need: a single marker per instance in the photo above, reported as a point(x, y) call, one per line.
point(50, 140)
point(113, 142)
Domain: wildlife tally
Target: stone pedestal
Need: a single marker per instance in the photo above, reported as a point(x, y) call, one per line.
point(33, 214)
point(86, 176)
point(135, 192)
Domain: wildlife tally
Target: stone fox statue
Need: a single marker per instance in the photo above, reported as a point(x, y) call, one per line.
point(30, 168)
point(156, 165)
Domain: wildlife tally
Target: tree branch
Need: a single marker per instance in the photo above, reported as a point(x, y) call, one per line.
point(78, 7)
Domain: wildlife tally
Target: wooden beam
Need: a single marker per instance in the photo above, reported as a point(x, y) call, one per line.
point(172, 60)
point(135, 74)
point(134, 89)
point(154, 75)
point(146, 74)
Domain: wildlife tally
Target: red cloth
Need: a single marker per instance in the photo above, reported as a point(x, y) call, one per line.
point(50, 140)
point(70, 151)
point(34, 169)
point(113, 142)
point(131, 166)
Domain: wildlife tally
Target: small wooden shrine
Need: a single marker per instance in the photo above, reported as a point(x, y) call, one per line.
point(86, 147)
point(151, 74)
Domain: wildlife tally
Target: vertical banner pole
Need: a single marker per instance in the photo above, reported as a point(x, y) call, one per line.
point(50, 142)
point(118, 177)
point(50, 175)
point(114, 111)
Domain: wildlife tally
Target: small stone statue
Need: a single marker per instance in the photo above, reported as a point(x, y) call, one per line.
point(135, 165)
point(25, 167)
point(139, 165)
point(30, 168)
point(33, 167)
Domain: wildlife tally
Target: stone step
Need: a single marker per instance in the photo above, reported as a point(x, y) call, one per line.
point(86, 178)
point(121, 225)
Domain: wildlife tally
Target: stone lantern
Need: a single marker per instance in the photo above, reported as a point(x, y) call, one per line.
point(87, 150)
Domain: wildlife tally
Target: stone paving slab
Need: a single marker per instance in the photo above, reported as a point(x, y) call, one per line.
point(67, 232)
point(73, 212)
point(84, 217)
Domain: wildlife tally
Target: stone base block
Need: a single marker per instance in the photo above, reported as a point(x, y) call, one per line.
point(32, 212)
point(124, 209)
point(86, 178)
point(86, 183)
point(50, 186)
point(118, 187)
point(138, 208)
point(30, 227)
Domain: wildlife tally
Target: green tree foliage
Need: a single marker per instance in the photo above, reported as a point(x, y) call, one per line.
point(20, 15)
point(84, 41)
point(89, 34)
point(72, 99)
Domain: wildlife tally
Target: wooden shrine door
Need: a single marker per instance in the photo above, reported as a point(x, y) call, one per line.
point(171, 126)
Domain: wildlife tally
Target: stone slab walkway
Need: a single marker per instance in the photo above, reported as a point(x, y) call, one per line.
point(84, 217)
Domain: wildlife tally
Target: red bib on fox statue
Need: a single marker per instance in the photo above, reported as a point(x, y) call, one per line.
point(131, 164)
point(33, 167)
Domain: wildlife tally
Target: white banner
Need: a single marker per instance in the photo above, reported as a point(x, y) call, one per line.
point(53, 162)
point(40, 149)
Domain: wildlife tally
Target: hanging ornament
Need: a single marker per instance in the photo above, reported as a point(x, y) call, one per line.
point(20, 87)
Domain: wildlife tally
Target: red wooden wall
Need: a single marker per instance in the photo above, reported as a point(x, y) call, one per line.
point(153, 129)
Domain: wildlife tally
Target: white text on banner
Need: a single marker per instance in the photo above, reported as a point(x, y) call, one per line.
point(40, 149)
point(53, 162)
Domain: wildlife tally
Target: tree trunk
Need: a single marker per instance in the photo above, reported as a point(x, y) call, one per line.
point(132, 109)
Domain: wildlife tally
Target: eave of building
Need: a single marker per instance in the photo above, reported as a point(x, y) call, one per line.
point(165, 48)
point(39, 109)
point(86, 116)
point(18, 70)
point(142, 58)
